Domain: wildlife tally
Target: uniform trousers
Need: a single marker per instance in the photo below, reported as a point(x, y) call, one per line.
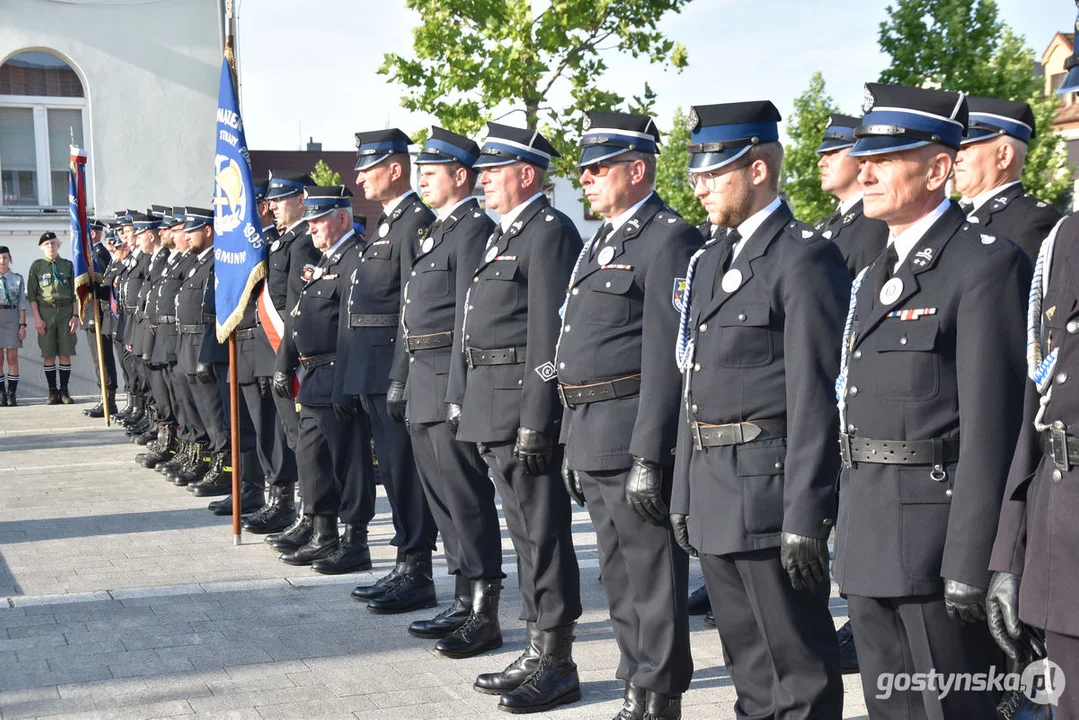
point(462, 501)
point(335, 456)
point(192, 428)
point(779, 644)
point(263, 413)
point(210, 411)
point(915, 635)
point(106, 351)
point(414, 528)
point(159, 387)
point(1064, 651)
point(125, 365)
point(540, 524)
point(646, 577)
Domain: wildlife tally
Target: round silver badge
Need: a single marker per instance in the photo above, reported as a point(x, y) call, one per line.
point(316, 273)
point(605, 255)
point(427, 244)
point(491, 255)
point(891, 291)
point(732, 280)
point(383, 230)
point(275, 246)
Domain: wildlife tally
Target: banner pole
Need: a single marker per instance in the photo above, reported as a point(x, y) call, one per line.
point(100, 353)
point(234, 413)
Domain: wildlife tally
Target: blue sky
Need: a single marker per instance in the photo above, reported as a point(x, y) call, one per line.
point(308, 69)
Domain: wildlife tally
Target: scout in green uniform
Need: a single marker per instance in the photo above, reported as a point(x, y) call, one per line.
point(51, 291)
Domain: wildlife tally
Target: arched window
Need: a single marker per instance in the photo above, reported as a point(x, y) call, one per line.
point(42, 107)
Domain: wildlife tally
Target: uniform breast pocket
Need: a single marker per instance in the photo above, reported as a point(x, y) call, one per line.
point(746, 339)
point(323, 291)
point(760, 470)
point(908, 367)
point(378, 267)
point(500, 287)
point(610, 298)
point(432, 278)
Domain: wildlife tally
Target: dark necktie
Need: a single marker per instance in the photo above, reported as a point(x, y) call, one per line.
point(604, 233)
point(967, 206)
point(835, 219)
point(884, 272)
point(726, 250)
point(381, 219)
point(495, 236)
point(436, 227)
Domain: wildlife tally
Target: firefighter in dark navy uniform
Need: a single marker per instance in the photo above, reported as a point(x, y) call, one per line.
point(503, 369)
point(754, 478)
point(988, 169)
point(102, 260)
point(620, 389)
point(454, 476)
point(333, 451)
point(930, 393)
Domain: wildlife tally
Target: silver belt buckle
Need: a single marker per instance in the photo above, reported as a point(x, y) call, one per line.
point(562, 396)
point(1058, 446)
point(697, 443)
point(844, 449)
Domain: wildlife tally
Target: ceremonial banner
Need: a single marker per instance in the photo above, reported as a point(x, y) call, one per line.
point(82, 255)
point(239, 251)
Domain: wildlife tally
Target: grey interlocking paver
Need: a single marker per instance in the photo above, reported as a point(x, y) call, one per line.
point(122, 597)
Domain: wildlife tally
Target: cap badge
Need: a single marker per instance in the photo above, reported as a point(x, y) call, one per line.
point(587, 123)
point(868, 101)
point(692, 121)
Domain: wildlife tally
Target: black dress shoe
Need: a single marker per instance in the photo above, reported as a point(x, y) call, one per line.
point(481, 632)
point(415, 589)
point(710, 619)
point(449, 619)
point(555, 681)
point(517, 671)
point(658, 706)
point(369, 592)
point(352, 553)
point(323, 542)
point(250, 501)
point(633, 700)
point(848, 653)
point(277, 514)
point(296, 536)
point(97, 411)
point(699, 603)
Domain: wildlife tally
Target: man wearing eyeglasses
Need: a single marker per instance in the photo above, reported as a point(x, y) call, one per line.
point(620, 392)
point(754, 477)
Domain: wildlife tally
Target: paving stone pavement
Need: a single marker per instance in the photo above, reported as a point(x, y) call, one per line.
point(122, 597)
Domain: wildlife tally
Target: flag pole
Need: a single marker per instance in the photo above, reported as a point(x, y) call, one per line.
point(100, 349)
point(234, 381)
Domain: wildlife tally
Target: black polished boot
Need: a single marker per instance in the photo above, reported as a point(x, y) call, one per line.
point(159, 450)
point(633, 701)
point(197, 465)
point(97, 411)
point(133, 411)
point(251, 499)
point(848, 653)
point(481, 631)
point(415, 589)
point(699, 603)
point(449, 619)
point(294, 537)
point(127, 410)
point(277, 514)
point(218, 480)
point(517, 671)
point(148, 437)
point(662, 707)
point(179, 456)
point(369, 592)
point(352, 553)
point(555, 681)
point(324, 540)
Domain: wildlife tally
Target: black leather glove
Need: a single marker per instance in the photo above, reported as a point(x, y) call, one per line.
point(1002, 610)
point(395, 401)
point(264, 386)
point(965, 603)
point(644, 491)
point(348, 410)
point(453, 417)
point(205, 373)
point(804, 558)
point(573, 483)
point(680, 527)
point(533, 449)
point(282, 385)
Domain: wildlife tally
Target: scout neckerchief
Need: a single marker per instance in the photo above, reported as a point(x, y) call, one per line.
point(56, 274)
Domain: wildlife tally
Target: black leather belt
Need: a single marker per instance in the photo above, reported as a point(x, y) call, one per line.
point(166, 319)
point(360, 320)
point(314, 361)
point(127, 308)
point(707, 436)
point(245, 334)
point(936, 452)
point(192, 329)
point(431, 341)
point(572, 395)
point(495, 356)
point(209, 318)
point(1061, 448)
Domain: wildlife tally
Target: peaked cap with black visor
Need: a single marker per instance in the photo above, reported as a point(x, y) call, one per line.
point(374, 146)
point(610, 134)
point(286, 185)
point(899, 118)
point(839, 133)
point(993, 117)
point(319, 200)
point(506, 145)
point(448, 147)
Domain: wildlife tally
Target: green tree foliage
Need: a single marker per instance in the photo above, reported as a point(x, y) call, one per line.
point(479, 60)
point(801, 176)
point(671, 167)
point(323, 175)
point(963, 45)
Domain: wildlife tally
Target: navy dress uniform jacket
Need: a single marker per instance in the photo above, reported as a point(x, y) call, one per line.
point(131, 285)
point(167, 340)
point(513, 302)
point(288, 255)
point(769, 349)
point(195, 306)
point(1018, 216)
point(313, 329)
point(438, 281)
point(253, 350)
point(621, 320)
point(370, 356)
point(954, 372)
point(859, 238)
point(155, 275)
point(1036, 536)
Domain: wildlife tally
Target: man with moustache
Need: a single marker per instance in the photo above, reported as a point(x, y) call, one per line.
point(621, 396)
point(988, 169)
point(454, 477)
point(754, 476)
point(930, 392)
point(336, 450)
point(504, 370)
point(859, 238)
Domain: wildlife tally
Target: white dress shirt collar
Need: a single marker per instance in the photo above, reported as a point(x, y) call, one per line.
point(513, 214)
point(751, 224)
point(982, 198)
point(905, 241)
